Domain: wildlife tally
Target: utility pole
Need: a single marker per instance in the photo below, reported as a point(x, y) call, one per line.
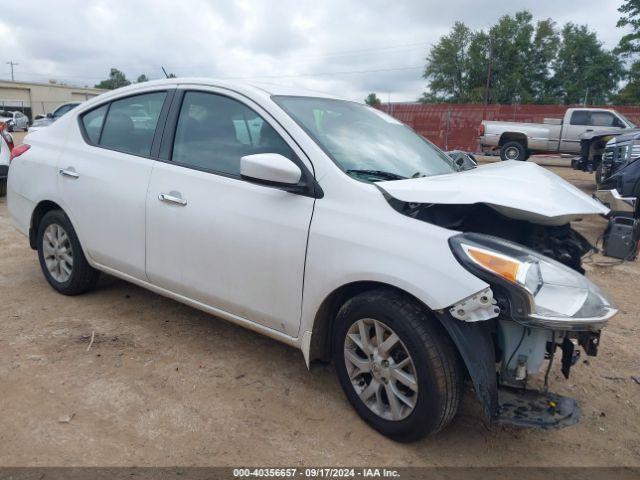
point(486, 89)
point(13, 64)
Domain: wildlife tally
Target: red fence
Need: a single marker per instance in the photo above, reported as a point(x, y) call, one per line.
point(455, 126)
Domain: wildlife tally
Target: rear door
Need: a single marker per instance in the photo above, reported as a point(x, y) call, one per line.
point(104, 176)
point(214, 237)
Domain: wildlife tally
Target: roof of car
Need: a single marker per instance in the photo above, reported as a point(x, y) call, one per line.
point(236, 85)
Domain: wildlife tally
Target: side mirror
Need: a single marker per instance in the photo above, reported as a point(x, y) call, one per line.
point(49, 115)
point(270, 169)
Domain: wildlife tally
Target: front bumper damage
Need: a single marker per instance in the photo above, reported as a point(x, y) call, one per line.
point(502, 389)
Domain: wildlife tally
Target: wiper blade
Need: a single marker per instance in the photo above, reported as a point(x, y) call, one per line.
point(377, 173)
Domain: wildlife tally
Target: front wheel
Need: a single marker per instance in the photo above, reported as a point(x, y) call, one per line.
point(398, 368)
point(61, 257)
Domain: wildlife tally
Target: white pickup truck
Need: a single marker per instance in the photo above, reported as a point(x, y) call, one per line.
point(518, 140)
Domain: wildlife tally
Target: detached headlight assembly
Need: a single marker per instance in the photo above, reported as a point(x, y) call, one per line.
point(541, 291)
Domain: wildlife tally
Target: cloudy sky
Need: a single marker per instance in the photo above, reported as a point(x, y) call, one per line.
point(344, 47)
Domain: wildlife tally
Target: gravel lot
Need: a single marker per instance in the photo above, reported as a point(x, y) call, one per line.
point(165, 385)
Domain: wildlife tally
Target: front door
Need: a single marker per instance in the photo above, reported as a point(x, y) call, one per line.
point(216, 238)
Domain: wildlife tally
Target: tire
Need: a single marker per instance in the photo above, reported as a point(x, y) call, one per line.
point(3, 187)
point(434, 364)
point(513, 151)
point(10, 128)
point(71, 278)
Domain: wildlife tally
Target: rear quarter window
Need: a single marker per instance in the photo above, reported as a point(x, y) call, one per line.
point(92, 123)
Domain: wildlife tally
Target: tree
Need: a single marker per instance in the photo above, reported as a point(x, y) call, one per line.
point(629, 47)
point(584, 71)
point(518, 60)
point(630, 43)
point(511, 47)
point(544, 49)
point(142, 78)
point(372, 100)
point(116, 79)
point(447, 64)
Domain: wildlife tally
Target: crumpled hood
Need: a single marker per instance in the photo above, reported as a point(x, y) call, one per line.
point(520, 190)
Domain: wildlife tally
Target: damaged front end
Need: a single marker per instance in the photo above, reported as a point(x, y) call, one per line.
point(535, 307)
point(515, 234)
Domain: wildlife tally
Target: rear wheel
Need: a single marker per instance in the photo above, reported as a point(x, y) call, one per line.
point(3, 187)
point(61, 258)
point(398, 368)
point(513, 151)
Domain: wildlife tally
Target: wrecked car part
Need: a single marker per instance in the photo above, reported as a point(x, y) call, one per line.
point(559, 242)
point(524, 348)
point(503, 398)
point(616, 202)
point(622, 238)
point(478, 307)
point(507, 187)
point(540, 291)
point(476, 346)
point(531, 408)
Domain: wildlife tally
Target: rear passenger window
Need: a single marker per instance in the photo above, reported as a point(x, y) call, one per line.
point(581, 117)
point(92, 122)
point(131, 123)
point(214, 132)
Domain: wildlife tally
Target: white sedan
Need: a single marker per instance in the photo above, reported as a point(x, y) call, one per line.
point(14, 120)
point(329, 226)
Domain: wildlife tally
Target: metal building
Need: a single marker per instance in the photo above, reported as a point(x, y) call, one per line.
point(40, 98)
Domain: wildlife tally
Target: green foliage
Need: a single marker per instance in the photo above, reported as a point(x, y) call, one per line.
point(583, 69)
point(630, 43)
point(373, 100)
point(629, 48)
point(142, 78)
point(520, 61)
point(116, 79)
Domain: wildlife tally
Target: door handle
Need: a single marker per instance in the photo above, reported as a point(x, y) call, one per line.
point(163, 197)
point(69, 173)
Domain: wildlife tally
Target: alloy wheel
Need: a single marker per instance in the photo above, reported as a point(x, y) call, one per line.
point(58, 253)
point(381, 369)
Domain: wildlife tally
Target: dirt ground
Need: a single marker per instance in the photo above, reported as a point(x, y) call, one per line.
point(165, 385)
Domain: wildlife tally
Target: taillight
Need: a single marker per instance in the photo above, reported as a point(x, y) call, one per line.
point(19, 150)
point(9, 139)
point(481, 129)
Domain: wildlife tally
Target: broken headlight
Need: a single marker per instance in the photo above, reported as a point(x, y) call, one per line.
point(541, 290)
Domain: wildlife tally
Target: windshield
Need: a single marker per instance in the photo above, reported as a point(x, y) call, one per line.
point(629, 122)
point(364, 142)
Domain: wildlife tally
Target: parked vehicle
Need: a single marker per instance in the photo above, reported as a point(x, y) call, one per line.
point(463, 160)
point(52, 117)
point(14, 120)
point(327, 225)
point(619, 174)
point(6, 145)
point(518, 140)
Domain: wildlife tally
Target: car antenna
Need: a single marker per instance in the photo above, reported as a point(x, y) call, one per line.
point(164, 71)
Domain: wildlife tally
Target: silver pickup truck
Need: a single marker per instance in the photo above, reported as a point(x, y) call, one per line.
point(518, 140)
